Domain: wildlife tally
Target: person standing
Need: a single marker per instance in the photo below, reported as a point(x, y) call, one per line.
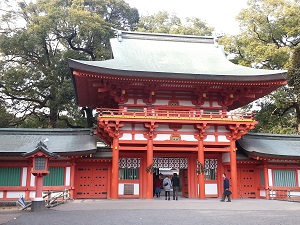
point(175, 184)
point(157, 185)
point(226, 192)
point(167, 186)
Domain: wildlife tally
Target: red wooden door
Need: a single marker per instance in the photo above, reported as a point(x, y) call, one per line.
point(91, 182)
point(184, 185)
point(245, 182)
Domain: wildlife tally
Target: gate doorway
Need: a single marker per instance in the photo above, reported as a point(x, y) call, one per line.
point(91, 182)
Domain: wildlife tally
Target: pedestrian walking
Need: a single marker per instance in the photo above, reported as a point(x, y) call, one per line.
point(226, 192)
point(175, 184)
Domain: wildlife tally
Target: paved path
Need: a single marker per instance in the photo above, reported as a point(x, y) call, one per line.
point(159, 211)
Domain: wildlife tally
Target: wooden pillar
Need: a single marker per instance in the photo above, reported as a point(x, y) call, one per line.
point(192, 183)
point(39, 187)
point(201, 181)
point(115, 169)
point(233, 168)
point(149, 194)
point(72, 179)
point(266, 176)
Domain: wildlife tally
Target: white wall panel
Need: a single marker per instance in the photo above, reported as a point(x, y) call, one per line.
point(222, 138)
point(186, 103)
point(15, 194)
point(210, 138)
point(215, 104)
point(188, 138)
point(130, 101)
point(32, 180)
point(222, 129)
point(139, 127)
point(140, 102)
point(298, 172)
point(126, 136)
point(211, 189)
point(161, 102)
point(163, 127)
point(24, 176)
point(206, 104)
point(68, 176)
point(270, 177)
point(210, 129)
point(1, 194)
point(262, 193)
point(187, 128)
point(162, 137)
point(139, 137)
point(126, 127)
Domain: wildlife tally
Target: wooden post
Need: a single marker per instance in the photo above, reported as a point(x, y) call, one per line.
point(115, 169)
point(201, 181)
point(266, 175)
point(149, 194)
point(233, 168)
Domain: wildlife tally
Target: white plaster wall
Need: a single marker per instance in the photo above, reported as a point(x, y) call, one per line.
point(1, 194)
point(139, 137)
point(130, 101)
point(163, 127)
point(210, 129)
point(15, 194)
point(161, 102)
point(162, 137)
point(215, 104)
point(206, 104)
point(67, 176)
point(270, 177)
point(226, 157)
point(32, 180)
point(188, 138)
point(140, 102)
point(32, 194)
point(211, 189)
point(262, 193)
point(24, 176)
point(187, 128)
point(298, 172)
point(126, 127)
point(139, 127)
point(222, 129)
point(186, 103)
point(222, 138)
point(210, 138)
point(135, 189)
point(126, 136)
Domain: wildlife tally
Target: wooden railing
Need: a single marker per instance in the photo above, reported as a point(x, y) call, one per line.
point(173, 114)
point(286, 195)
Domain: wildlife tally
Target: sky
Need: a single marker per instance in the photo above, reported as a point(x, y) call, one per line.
point(219, 14)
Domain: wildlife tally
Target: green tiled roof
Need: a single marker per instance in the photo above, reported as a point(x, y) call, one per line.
point(276, 145)
point(173, 56)
point(58, 140)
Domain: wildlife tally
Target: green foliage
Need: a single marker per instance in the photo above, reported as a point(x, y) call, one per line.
point(163, 22)
point(270, 33)
point(37, 40)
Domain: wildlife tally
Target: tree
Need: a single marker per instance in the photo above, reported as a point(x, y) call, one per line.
point(270, 33)
point(35, 43)
point(163, 22)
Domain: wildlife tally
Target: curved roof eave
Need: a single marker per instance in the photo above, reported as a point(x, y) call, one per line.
point(97, 68)
point(271, 145)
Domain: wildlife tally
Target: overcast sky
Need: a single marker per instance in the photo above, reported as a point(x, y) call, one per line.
point(219, 14)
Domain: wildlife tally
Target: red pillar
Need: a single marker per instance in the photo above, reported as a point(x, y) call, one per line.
point(39, 186)
point(72, 179)
point(266, 181)
point(149, 194)
point(201, 181)
point(233, 168)
point(115, 169)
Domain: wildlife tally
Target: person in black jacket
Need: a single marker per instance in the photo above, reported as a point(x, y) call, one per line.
point(226, 189)
point(175, 184)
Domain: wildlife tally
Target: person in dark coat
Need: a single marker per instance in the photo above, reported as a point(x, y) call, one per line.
point(226, 192)
point(175, 184)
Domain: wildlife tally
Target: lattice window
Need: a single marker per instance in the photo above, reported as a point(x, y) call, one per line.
point(129, 163)
point(180, 163)
point(210, 169)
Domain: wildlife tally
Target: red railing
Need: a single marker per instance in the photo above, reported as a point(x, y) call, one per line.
point(192, 114)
